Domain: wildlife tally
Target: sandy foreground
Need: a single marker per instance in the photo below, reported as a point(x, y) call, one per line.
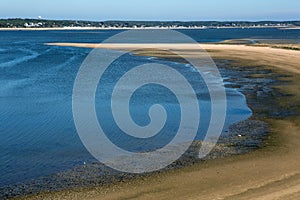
point(272, 172)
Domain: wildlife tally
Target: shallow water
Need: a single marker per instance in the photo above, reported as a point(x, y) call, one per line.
point(37, 132)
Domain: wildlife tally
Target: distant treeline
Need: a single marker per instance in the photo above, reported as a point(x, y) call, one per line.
point(42, 23)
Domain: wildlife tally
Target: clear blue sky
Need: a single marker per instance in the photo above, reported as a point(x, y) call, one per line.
point(153, 9)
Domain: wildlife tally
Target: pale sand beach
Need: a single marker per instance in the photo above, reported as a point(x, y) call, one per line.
point(272, 172)
point(291, 28)
point(261, 55)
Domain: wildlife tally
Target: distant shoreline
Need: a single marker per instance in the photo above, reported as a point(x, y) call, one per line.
point(291, 28)
point(143, 28)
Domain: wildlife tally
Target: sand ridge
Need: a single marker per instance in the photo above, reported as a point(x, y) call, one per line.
point(262, 55)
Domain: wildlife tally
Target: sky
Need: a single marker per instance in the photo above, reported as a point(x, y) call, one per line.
point(165, 10)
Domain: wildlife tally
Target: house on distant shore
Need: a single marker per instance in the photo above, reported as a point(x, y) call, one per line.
point(33, 25)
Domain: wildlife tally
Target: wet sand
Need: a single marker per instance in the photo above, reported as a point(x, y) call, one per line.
point(272, 172)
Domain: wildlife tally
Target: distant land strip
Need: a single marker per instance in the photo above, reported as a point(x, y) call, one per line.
point(44, 23)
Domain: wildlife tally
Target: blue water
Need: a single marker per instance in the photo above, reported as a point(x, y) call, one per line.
point(37, 132)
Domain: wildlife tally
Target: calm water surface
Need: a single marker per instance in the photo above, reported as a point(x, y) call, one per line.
point(37, 132)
